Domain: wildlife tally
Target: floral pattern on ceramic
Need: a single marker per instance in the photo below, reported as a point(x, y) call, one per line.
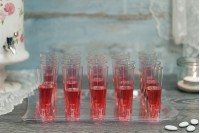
point(11, 21)
point(9, 8)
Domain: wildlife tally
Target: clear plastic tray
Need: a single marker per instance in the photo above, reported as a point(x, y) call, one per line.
point(168, 112)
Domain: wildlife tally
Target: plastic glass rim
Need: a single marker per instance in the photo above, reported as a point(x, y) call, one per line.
point(49, 55)
point(69, 58)
point(96, 56)
point(71, 65)
point(144, 56)
point(96, 59)
point(122, 56)
point(71, 62)
point(129, 63)
point(55, 66)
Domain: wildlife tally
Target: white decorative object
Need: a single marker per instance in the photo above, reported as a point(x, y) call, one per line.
point(189, 83)
point(190, 128)
point(191, 80)
point(194, 121)
point(188, 74)
point(171, 128)
point(24, 88)
point(183, 124)
point(12, 48)
point(187, 88)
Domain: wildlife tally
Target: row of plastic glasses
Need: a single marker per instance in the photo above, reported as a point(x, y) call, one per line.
point(151, 73)
point(72, 73)
point(123, 79)
point(47, 83)
point(98, 80)
point(72, 83)
point(47, 74)
point(116, 59)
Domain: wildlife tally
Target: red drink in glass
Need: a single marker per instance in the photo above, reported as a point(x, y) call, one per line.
point(124, 76)
point(121, 83)
point(125, 101)
point(97, 82)
point(98, 77)
point(154, 101)
point(72, 83)
point(47, 75)
point(126, 83)
point(150, 82)
point(98, 102)
point(72, 101)
point(50, 76)
point(46, 99)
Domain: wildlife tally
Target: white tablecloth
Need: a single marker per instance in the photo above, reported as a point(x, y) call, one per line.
point(13, 97)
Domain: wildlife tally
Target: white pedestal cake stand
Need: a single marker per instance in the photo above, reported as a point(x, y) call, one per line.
point(8, 59)
point(14, 85)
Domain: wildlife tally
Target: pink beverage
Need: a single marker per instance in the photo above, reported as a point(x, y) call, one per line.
point(49, 77)
point(71, 84)
point(97, 82)
point(72, 103)
point(125, 83)
point(122, 83)
point(72, 76)
point(46, 101)
point(98, 102)
point(150, 82)
point(124, 75)
point(125, 101)
point(154, 101)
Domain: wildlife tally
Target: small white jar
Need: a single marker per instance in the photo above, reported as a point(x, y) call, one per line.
point(188, 74)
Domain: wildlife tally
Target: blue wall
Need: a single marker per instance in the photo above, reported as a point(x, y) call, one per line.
point(107, 26)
